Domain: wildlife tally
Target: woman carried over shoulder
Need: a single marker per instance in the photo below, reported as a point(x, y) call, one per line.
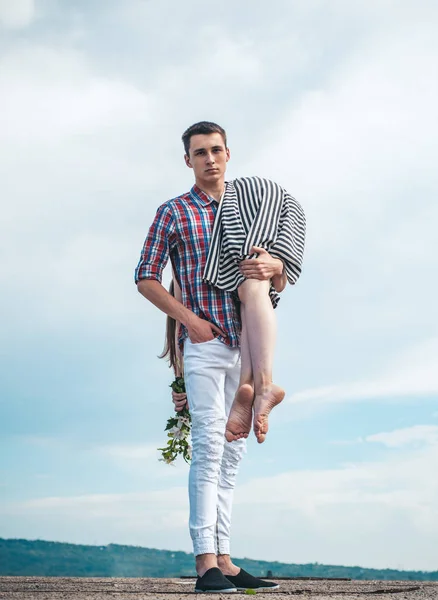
point(259, 232)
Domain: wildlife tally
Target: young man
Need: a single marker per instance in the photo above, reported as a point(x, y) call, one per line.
point(210, 330)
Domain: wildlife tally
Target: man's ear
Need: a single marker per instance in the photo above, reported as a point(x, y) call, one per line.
point(187, 159)
point(228, 154)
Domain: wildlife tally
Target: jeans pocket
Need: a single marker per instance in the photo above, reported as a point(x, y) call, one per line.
point(201, 343)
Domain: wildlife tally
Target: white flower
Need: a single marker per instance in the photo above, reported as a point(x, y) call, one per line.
point(178, 434)
point(183, 421)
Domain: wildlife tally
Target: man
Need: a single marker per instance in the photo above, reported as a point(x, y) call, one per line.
point(210, 330)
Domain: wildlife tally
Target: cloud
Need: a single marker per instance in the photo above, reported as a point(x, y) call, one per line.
point(129, 451)
point(155, 518)
point(341, 515)
point(71, 131)
point(17, 14)
point(379, 482)
point(423, 434)
point(100, 504)
point(417, 434)
point(53, 95)
point(412, 373)
point(352, 142)
point(141, 460)
point(357, 150)
point(352, 514)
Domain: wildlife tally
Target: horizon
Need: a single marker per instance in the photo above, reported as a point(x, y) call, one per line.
point(241, 558)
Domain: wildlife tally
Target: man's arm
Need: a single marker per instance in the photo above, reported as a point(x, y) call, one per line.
point(149, 271)
point(153, 291)
point(279, 281)
point(199, 330)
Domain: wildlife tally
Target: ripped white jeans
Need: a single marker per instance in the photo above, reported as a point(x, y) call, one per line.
point(211, 372)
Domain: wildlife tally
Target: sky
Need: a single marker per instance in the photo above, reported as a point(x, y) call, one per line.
point(336, 101)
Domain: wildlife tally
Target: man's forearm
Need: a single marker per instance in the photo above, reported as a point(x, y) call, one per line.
point(153, 291)
point(279, 280)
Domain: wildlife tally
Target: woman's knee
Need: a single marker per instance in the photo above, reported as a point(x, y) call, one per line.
point(250, 287)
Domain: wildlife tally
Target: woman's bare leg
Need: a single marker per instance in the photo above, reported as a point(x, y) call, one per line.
point(260, 329)
point(240, 418)
point(246, 376)
point(261, 326)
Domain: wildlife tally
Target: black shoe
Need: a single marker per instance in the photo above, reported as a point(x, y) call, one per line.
point(214, 581)
point(245, 581)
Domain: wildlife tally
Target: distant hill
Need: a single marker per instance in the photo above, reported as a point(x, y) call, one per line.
point(54, 559)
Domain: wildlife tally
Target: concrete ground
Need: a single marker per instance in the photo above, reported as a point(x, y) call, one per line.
point(76, 588)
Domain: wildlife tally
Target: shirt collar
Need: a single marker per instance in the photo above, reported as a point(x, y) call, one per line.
point(202, 196)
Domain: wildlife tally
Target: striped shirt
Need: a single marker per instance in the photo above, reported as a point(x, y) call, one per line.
point(255, 212)
point(182, 231)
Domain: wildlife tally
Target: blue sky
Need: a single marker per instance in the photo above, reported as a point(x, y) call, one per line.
point(334, 100)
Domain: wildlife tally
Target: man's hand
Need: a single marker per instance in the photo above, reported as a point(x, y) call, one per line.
point(179, 400)
point(263, 267)
point(200, 330)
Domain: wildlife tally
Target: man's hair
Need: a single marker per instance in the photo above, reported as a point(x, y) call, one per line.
point(202, 128)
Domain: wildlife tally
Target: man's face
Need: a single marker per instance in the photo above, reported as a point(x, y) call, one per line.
point(207, 157)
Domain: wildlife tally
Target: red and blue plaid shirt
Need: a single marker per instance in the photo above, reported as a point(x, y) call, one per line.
point(182, 230)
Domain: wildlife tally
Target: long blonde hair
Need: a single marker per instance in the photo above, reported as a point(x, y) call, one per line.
point(170, 350)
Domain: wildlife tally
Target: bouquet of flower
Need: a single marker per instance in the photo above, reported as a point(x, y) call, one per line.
point(178, 428)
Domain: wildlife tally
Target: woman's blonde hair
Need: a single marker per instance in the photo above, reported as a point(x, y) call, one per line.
point(170, 350)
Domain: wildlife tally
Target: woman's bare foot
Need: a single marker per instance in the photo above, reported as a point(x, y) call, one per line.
point(263, 404)
point(240, 418)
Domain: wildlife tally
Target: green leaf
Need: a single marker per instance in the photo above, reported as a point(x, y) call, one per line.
point(178, 385)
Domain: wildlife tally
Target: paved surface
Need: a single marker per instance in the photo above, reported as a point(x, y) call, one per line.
point(78, 588)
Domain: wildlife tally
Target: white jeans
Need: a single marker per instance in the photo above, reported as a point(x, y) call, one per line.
point(211, 372)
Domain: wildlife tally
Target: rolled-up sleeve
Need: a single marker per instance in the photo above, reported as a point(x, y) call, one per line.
point(157, 246)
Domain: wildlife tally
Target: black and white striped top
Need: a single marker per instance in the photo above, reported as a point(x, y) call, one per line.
point(255, 212)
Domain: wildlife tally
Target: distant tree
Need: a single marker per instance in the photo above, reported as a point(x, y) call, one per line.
point(40, 558)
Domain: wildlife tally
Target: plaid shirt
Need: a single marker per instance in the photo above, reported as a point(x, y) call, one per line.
point(182, 230)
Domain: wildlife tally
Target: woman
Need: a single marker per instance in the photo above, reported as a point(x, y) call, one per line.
point(257, 220)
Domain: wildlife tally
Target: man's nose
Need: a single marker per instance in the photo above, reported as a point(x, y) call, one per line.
point(210, 159)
